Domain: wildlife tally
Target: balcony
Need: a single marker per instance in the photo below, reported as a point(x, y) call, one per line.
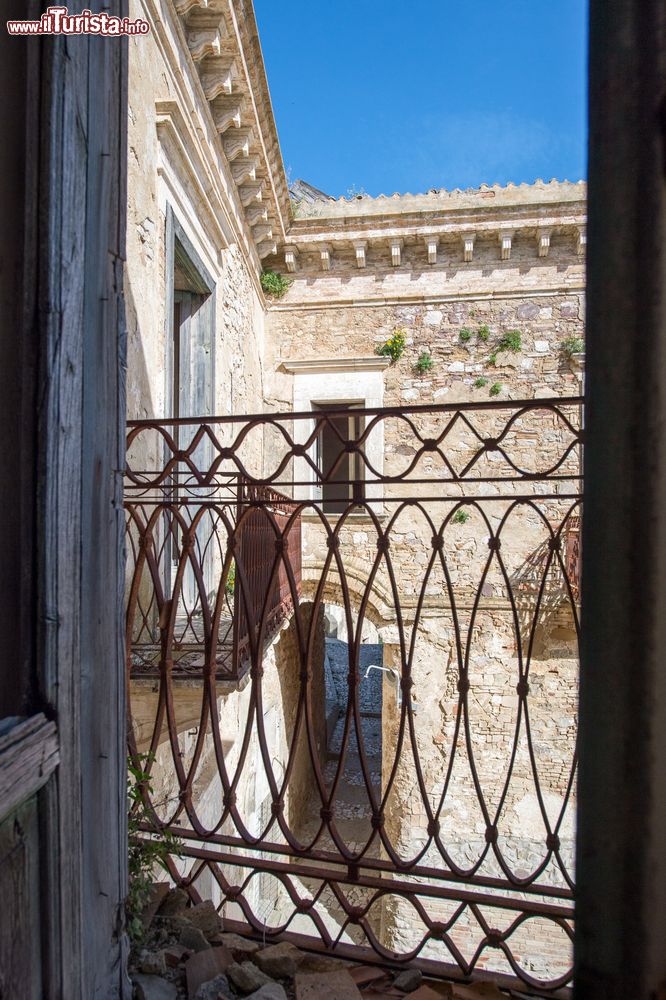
point(352, 643)
point(206, 584)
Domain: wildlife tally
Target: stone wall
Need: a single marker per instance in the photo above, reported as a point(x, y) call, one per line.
point(175, 162)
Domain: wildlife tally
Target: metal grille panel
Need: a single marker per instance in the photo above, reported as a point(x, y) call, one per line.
point(433, 825)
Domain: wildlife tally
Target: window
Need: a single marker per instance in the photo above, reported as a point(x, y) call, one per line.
point(344, 384)
point(342, 471)
point(191, 328)
point(189, 391)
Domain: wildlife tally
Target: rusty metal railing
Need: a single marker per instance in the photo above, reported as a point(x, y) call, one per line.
point(204, 582)
point(438, 830)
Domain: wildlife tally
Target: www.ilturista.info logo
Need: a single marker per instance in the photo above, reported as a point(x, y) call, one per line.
point(58, 21)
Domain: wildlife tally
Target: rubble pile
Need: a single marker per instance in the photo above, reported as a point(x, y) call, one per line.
point(186, 954)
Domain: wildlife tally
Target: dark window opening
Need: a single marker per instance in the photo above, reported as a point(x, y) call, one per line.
point(342, 470)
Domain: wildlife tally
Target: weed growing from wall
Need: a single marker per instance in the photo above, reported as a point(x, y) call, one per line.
point(394, 347)
point(460, 517)
point(274, 284)
point(572, 345)
point(424, 362)
point(512, 340)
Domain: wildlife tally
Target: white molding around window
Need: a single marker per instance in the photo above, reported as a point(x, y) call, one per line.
point(339, 380)
point(370, 363)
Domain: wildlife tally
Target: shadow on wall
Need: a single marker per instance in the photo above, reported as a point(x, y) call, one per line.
point(302, 785)
point(554, 633)
point(140, 384)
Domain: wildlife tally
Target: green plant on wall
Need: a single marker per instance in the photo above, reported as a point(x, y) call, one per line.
point(394, 347)
point(495, 388)
point(145, 851)
point(460, 517)
point(424, 363)
point(512, 340)
point(274, 283)
point(572, 345)
point(492, 360)
point(465, 335)
point(480, 382)
point(483, 333)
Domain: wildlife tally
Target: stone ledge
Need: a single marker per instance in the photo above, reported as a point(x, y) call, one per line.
point(367, 363)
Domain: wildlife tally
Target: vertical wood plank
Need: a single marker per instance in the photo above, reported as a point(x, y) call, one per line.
point(61, 249)
point(169, 401)
point(103, 771)
point(20, 950)
point(80, 523)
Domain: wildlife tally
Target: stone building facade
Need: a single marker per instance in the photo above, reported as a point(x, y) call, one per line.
point(487, 289)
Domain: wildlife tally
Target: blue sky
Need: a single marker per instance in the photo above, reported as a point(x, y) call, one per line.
point(407, 95)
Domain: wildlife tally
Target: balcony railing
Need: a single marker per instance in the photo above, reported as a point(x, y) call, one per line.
point(213, 571)
point(404, 791)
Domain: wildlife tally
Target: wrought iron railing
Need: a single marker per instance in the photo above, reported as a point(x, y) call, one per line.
point(439, 828)
point(212, 573)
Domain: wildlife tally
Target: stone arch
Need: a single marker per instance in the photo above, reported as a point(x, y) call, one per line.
point(378, 607)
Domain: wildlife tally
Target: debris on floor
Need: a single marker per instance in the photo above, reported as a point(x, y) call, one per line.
point(186, 954)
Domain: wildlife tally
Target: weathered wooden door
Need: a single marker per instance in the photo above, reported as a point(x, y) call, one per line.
point(63, 850)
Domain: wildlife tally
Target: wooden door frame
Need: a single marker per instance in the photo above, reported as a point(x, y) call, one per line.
point(68, 755)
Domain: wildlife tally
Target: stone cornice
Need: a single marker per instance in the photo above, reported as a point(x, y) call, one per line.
point(222, 41)
point(442, 220)
point(382, 301)
point(310, 366)
point(458, 223)
point(457, 233)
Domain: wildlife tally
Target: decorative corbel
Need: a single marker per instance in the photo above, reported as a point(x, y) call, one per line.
point(261, 233)
point(581, 240)
point(396, 251)
point(256, 213)
point(290, 255)
point(226, 115)
point(244, 169)
point(217, 76)
point(505, 241)
point(266, 249)
point(183, 7)
point(543, 242)
point(432, 242)
point(360, 247)
point(250, 193)
point(204, 42)
point(237, 143)
point(325, 257)
point(468, 246)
